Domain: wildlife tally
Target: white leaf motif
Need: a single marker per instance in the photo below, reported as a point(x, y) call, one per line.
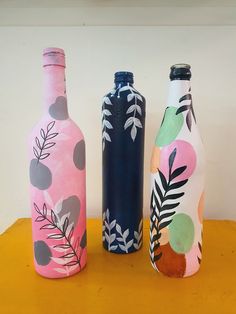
point(107, 101)
point(112, 224)
point(128, 122)
point(139, 97)
point(108, 124)
point(131, 109)
point(126, 233)
point(107, 237)
point(112, 237)
point(136, 235)
point(133, 132)
point(106, 112)
point(119, 239)
point(118, 229)
point(137, 123)
point(59, 261)
point(122, 247)
point(139, 109)
point(130, 97)
point(60, 270)
point(113, 247)
point(129, 244)
point(107, 136)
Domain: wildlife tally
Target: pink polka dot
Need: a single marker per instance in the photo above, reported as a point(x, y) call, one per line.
point(192, 264)
point(185, 156)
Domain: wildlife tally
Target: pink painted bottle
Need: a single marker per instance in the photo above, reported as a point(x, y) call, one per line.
point(57, 179)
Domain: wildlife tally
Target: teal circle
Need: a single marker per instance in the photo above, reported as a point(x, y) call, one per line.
point(170, 128)
point(181, 232)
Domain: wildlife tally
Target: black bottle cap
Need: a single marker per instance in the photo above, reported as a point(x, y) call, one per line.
point(124, 76)
point(180, 71)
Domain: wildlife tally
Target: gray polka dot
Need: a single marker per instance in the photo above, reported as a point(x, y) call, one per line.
point(79, 155)
point(40, 175)
point(58, 110)
point(42, 253)
point(71, 205)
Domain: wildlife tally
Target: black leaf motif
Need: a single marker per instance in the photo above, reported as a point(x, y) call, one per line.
point(68, 255)
point(182, 108)
point(169, 206)
point(177, 185)
point(189, 120)
point(49, 145)
point(37, 142)
point(48, 226)
point(164, 224)
point(44, 209)
point(166, 215)
point(62, 246)
point(163, 180)
point(172, 158)
point(177, 172)
point(173, 196)
point(50, 126)
point(65, 225)
point(36, 154)
point(44, 156)
point(55, 236)
point(185, 97)
point(157, 257)
point(49, 137)
point(40, 218)
point(162, 213)
point(41, 146)
point(72, 263)
point(42, 133)
point(159, 191)
point(37, 209)
point(188, 108)
point(52, 225)
point(53, 217)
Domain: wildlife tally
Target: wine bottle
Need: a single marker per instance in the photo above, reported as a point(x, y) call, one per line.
point(123, 125)
point(57, 179)
point(177, 183)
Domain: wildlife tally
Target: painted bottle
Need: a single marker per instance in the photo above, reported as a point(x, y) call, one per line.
point(177, 183)
point(123, 125)
point(57, 179)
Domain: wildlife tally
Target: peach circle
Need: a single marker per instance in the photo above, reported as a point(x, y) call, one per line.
point(201, 207)
point(155, 160)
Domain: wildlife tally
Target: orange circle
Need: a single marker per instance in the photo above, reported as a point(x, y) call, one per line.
point(201, 207)
point(155, 160)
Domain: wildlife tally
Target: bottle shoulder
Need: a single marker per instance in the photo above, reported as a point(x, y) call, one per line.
point(49, 125)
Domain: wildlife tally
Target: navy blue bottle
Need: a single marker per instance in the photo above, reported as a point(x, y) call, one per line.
point(123, 126)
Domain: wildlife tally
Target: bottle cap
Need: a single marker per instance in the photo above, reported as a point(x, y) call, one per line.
point(53, 56)
point(124, 76)
point(180, 71)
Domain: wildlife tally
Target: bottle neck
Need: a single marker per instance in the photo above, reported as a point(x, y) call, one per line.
point(122, 83)
point(54, 86)
point(177, 89)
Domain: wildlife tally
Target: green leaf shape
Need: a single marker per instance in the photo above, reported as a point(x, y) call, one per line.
point(170, 128)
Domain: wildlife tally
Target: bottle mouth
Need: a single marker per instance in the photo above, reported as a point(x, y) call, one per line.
point(124, 76)
point(53, 56)
point(180, 71)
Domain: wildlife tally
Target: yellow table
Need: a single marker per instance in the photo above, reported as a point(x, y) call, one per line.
point(114, 283)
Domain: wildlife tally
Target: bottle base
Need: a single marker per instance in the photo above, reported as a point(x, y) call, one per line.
point(59, 275)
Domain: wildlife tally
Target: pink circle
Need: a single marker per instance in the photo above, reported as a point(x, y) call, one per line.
point(185, 156)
